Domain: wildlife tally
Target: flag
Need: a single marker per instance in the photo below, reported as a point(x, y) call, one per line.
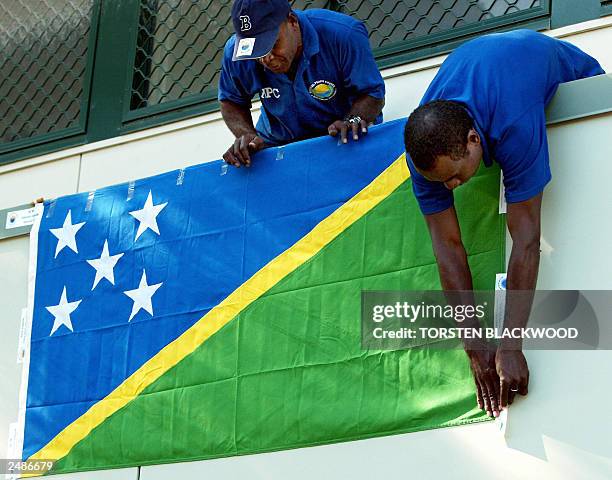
point(214, 311)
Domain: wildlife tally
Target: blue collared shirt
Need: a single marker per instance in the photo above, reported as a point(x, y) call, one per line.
point(505, 80)
point(336, 67)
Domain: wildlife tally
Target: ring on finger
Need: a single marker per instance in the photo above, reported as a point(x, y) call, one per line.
point(353, 119)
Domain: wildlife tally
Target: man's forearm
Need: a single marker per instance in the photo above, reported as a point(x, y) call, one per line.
point(237, 118)
point(367, 107)
point(453, 267)
point(523, 276)
point(456, 279)
point(524, 226)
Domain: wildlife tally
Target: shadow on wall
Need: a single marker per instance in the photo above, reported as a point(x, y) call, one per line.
point(566, 403)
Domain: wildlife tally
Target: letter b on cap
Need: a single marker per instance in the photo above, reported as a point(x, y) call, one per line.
point(245, 23)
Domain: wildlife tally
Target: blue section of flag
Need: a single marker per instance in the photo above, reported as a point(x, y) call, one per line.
point(218, 228)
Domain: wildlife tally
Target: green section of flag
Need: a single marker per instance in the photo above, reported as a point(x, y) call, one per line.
point(290, 372)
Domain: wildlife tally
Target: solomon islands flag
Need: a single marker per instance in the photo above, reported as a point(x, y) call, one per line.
point(214, 311)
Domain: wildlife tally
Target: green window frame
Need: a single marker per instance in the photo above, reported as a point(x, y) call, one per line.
point(120, 63)
point(387, 56)
point(14, 149)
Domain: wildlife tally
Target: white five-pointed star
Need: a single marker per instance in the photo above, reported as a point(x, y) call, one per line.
point(104, 265)
point(142, 296)
point(62, 312)
point(147, 216)
point(66, 235)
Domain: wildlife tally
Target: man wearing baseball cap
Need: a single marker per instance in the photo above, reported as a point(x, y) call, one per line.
point(313, 70)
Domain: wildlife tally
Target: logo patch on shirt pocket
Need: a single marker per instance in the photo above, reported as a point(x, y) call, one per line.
point(322, 90)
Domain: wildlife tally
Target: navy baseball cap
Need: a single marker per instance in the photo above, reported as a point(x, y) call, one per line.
point(257, 23)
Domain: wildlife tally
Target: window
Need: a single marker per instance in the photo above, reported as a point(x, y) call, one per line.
point(44, 70)
point(180, 42)
point(78, 71)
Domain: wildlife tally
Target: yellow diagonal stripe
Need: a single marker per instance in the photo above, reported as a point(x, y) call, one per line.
point(273, 272)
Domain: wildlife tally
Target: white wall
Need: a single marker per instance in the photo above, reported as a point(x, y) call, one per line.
point(560, 431)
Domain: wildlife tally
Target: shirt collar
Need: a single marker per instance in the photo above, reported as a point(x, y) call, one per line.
point(310, 37)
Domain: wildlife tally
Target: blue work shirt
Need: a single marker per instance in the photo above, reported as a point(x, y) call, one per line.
point(336, 66)
point(505, 80)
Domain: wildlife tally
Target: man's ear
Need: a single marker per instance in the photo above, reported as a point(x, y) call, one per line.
point(473, 137)
point(292, 19)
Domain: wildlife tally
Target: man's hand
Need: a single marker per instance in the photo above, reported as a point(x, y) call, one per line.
point(344, 126)
point(513, 375)
point(363, 112)
point(238, 119)
point(486, 379)
point(240, 152)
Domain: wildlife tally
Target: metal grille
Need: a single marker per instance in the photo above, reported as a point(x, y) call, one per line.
point(180, 46)
point(179, 49)
point(391, 22)
point(44, 51)
point(180, 42)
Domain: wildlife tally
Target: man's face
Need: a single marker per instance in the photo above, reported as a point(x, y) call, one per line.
point(287, 47)
point(455, 171)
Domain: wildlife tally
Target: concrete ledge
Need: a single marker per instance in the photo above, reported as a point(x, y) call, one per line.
point(579, 99)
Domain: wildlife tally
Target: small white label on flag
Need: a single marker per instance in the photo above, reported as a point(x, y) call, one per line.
point(502, 195)
point(90, 200)
point(131, 187)
point(12, 440)
point(245, 47)
point(500, 281)
point(11, 449)
point(501, 422)
point(499, 312)
point(20, 218)
point(280, 153)
point(181, 177)
point(22, 336)
point(51, 208)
